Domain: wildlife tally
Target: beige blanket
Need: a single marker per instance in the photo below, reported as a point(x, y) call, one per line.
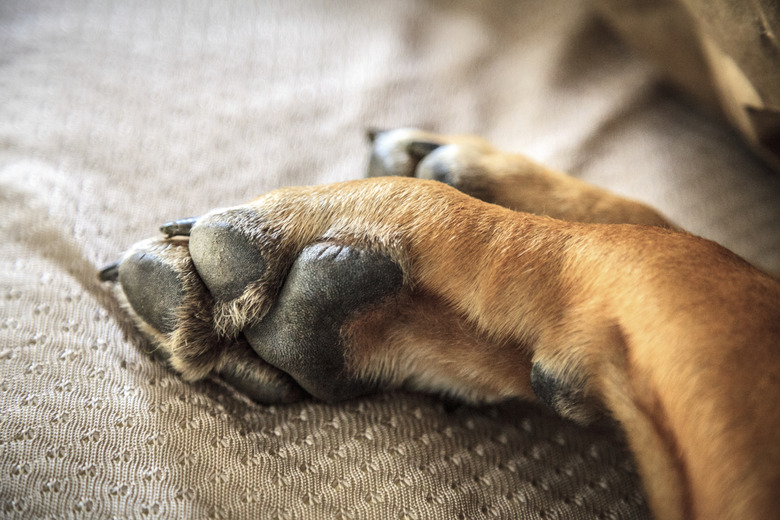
point(117, 116)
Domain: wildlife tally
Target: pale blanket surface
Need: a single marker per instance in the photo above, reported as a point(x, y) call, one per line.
point(117, 116)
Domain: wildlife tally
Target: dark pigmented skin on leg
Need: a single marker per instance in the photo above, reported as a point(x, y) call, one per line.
point(565, 397)
point(225, 259)
point(152, 288)
point(545, 386)
point(301, 334)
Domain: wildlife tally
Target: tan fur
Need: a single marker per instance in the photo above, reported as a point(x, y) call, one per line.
point(510, 180)
point(674, 335)
point(418, 342)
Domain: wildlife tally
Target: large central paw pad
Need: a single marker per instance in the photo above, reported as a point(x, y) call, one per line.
point(327, 285)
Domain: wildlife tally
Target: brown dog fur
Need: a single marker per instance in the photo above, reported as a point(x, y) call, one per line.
point(674, 336)
point(677, 337)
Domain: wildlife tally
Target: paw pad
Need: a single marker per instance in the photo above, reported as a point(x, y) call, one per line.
point(301, 334)
point(152, 288)
point(226, 260)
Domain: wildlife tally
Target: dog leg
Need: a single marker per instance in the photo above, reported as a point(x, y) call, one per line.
point(474, 166)
point(670, 334)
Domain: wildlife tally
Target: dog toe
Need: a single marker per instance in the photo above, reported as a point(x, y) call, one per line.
point(242, 369)
point(225, 258)
point(151, 284)
point(398, 152)
point(170, 305)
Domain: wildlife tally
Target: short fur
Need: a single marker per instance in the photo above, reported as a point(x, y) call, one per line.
point(672, 335)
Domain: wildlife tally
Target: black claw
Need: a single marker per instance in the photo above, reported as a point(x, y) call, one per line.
point(372, 132)
point(419, 149)
point(180, 227)
point(109, 273)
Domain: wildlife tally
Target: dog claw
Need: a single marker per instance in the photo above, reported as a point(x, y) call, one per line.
point(180, 227)
point(109, 273)
point(420, 149)
point(373, 132)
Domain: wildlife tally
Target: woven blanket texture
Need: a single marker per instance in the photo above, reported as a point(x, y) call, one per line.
point(118, 116)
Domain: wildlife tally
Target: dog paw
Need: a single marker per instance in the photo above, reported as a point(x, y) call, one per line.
point(160, 289)
point(289, 297)
point(474, 167)
point(454, 160)
point(258, 295)
point(338, 290)
point(344, 289)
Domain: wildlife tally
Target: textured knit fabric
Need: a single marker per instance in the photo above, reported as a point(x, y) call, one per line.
point(118, 116)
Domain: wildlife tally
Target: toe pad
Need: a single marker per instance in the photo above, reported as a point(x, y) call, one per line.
point(226, 260)
point(152, 288)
